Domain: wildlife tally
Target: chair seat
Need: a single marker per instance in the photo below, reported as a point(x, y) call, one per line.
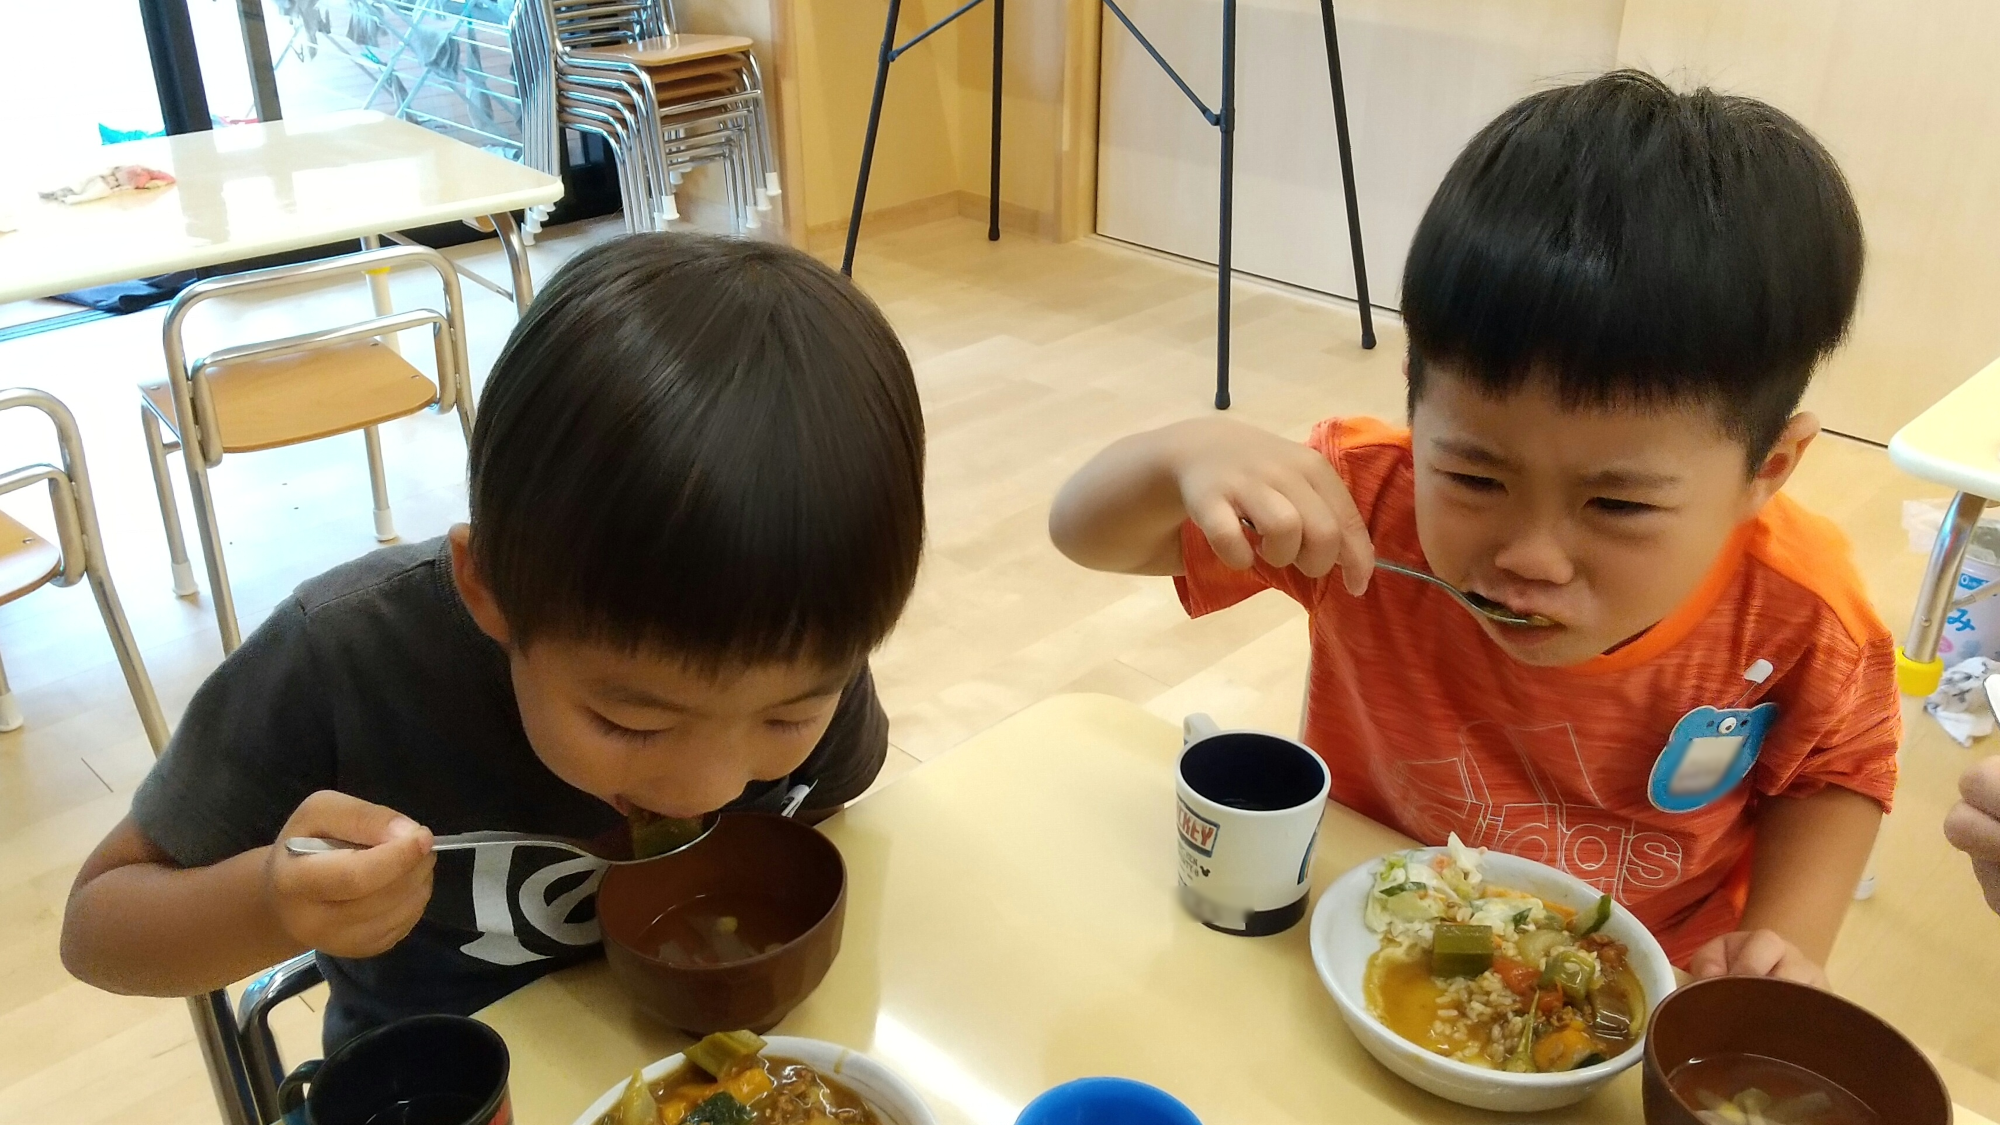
point(27, 561)
point(267, 402)
point(669, 49)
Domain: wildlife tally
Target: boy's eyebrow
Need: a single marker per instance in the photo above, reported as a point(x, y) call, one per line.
point(1635, 479)
point(1476, 454)
point(639, 697)
point(1471, 451)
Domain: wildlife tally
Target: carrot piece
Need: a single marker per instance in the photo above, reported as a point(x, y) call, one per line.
point(1518, 976)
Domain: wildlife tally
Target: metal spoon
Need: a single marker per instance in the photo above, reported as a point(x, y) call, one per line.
point(1477, 603)
point(613, 847)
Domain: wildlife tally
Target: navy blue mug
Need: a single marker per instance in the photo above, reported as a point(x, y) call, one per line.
point(424, 1070)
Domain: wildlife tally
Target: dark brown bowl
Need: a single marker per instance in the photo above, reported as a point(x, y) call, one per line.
point(803, 882)
point(1796, 1024)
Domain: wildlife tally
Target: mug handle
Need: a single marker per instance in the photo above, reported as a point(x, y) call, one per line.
point(1196, 727)
point(292, 1091)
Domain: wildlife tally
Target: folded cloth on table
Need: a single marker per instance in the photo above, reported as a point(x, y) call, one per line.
point(1960, 704)
point(97, 185)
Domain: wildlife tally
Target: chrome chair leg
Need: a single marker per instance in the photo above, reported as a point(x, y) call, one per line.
point(211, 546)
point(170, 511)
point(10, 712)
point(378, 480)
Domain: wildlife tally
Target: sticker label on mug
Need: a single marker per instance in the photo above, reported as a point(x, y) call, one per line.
point(1197, 832)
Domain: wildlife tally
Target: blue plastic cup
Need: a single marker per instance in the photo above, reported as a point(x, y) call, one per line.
point(1106, 1101)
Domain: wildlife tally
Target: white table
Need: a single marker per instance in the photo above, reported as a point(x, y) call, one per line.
point(243, 192)
point(1011, 924)
point(1955, 443)
point(249, 190)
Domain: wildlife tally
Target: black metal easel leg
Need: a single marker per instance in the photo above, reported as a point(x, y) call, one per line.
point(874, 123)
point(993, 196)
point(1347, 174)
point(1226, 228)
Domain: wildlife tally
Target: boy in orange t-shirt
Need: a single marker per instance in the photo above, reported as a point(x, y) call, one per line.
point(1614, 303)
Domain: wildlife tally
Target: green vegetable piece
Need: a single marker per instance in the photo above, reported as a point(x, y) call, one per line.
point(1521, 1060)
point(1537, 945)
point(636, 1106)
point(1461, 950)
point(1571, 970)
point(657, 835)
point(1520, 921)
point(1584, 925)
point(1399, 888)
point(718, 1054)
point(719, 1109)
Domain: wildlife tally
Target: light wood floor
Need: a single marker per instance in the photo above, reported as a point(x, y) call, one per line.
point(1031, 356)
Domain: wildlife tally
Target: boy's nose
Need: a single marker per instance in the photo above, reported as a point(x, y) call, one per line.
point(1535, 556)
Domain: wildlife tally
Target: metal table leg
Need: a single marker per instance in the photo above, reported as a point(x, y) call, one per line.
point(1225, 236)
point(993, 162)
point(517, 259)
point(1347, 174)
point(1918, 668)
point(887, 56)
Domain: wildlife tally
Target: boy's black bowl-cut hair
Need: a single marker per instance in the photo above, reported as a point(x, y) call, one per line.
point(700, 447)
point(1637, 246)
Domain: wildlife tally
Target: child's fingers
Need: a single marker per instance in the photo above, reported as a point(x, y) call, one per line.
point(1972, 831)
point(339, 816)
point(1222, 526)
point(346, 876)
point(1980, 786)
point(1988, 873)
point(1760, 954)
point(1711, 960)
point(1277, 523)
point(1354, 551)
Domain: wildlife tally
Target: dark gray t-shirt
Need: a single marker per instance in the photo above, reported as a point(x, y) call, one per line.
point(373, 680)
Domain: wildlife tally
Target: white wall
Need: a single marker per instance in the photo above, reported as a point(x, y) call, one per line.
point(1421, 76)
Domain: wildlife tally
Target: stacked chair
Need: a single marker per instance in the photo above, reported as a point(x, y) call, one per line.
point(665, 102)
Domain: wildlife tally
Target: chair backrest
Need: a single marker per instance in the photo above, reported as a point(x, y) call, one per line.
point(448, 331)
point(69, 485)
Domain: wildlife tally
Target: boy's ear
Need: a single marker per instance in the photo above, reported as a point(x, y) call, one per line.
point(472, 587)
point(1783, 458)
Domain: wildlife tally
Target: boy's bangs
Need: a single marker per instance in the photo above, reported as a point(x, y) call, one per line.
point(1638, 247)
point(718, 456)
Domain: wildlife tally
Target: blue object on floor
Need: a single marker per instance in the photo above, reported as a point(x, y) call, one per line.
point(1106, 1101)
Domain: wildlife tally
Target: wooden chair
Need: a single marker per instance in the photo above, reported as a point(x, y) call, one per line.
point(293, 390)
point(28, 562)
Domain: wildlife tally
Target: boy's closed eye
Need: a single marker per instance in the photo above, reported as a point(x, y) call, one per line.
point(1616, 506)
point(1474, 483)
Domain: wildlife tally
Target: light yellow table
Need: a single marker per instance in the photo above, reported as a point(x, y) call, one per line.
point(250, 190)
point(1011, 925)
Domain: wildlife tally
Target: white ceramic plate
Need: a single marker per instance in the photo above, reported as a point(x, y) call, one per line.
point(1342, 944)
point(892, 1099)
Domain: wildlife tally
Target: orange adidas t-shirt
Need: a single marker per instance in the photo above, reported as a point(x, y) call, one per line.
point(1430, 728)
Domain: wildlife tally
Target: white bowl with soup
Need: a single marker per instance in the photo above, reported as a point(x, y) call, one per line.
point(889, 1100)
point(1520, 1048)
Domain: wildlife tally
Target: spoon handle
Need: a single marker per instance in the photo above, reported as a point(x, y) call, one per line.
point(315, 845)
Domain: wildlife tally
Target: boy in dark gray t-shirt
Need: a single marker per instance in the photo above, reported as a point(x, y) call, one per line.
point(697, 505)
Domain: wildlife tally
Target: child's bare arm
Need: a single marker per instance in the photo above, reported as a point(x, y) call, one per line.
point(1123, 511)
point(1811, 852)
point(139, 924)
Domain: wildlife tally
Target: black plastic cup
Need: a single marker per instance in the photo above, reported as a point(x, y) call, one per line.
point(424, 1070)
